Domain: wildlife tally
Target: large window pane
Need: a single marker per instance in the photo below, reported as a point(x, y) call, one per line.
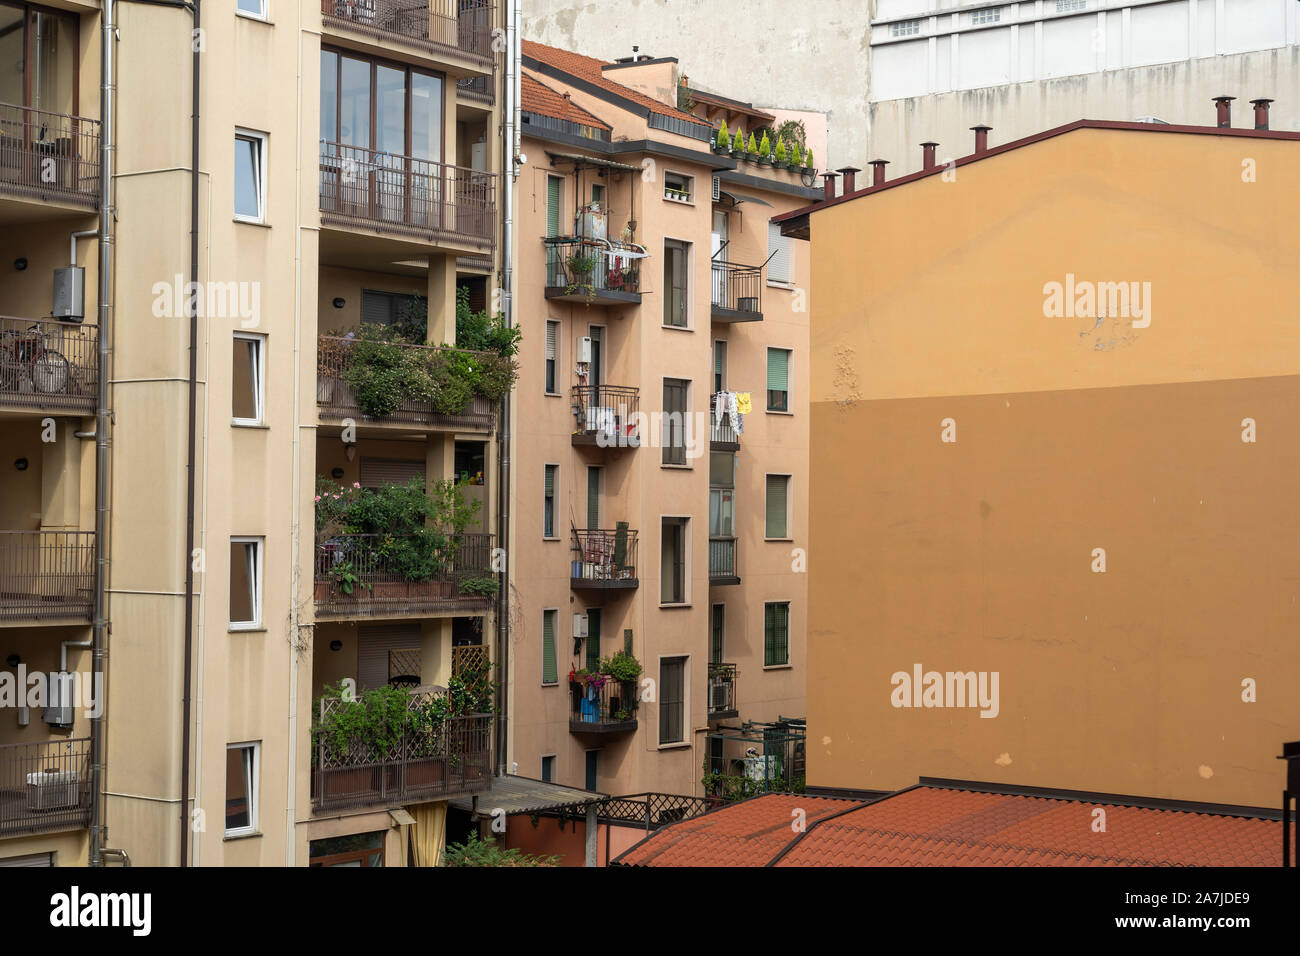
point(248, 177)
point(329, 96)
point(55, 49)
point(426, 117)
point(672, 700)
point(390, 110)
point(354, 103)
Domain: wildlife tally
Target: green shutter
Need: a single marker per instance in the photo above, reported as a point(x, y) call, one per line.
point(777, 486)
point(553, 192)
point(769, 634)
point(550, 480)
point(719, 623)
point(627, 641)
point(593, 498)
point(550, 674)
point(782, 636)
point(778, 370)
point(593, 638)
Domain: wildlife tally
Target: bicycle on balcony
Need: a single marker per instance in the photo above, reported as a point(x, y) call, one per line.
point(27, 363)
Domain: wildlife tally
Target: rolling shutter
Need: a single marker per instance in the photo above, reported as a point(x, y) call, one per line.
point(554, 187)
point(550, 674)
point(777, 489)
point(593, 638)
point(376, 472)
point(781, 267)
point(374, 646)
point(552, 333)
point(778, 370)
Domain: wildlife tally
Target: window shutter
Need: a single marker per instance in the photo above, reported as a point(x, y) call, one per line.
point(376, 472)
point(780, 268)
point(769, 634)
point(627, 640)
point(717, 188)
point(550, 480)
point(777, 486)
point(552, 331)
point(593, 638)
point(377, 307)
point(719, 625)
point(373, 646)
point(593, 498)
point(778, 370)
point(550, 674)
point(553, 190)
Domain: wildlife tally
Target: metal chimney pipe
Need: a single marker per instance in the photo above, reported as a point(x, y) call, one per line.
point(829, 184)
point(1261, 112)
point(849, 177)
point(878, 171)
point(981, 138)
point(927, 155)
point(1224, 106)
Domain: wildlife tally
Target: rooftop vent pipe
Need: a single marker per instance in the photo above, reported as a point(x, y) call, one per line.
point(878, 171)
point(829, 184)
point(981, 138)
point(1261, 112)
point(850, 173)
point(1224, 106)
point(927, 155)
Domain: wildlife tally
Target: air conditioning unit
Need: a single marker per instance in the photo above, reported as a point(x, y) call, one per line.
point(720, 696)
point(579, 625)
point(584, 350)
point(59, 700)
point(52, 789)
point(717, 188)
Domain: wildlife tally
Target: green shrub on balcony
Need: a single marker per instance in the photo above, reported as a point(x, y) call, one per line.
point(780, 155)
point(486, 852)
point(724, 137)
point(479, 586)
point(752, 149)
point(765, 145)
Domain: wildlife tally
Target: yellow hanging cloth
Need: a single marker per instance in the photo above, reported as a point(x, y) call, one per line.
point(744, 403)
point(428, 833)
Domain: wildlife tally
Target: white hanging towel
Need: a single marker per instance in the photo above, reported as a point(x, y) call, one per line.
point(737, 420)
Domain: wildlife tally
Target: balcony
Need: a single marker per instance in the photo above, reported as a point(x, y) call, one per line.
point(48, 156)
point(336, 400)
point(607, 416)
point(46, 575)
point(48, 366)
point(593, 271)
point(736, 292)
point(722, 437)
point(723, 702)
point(389, 576)
point(476, 89)
point(460, 28)
point(417, 198)
point(722, 562)
point(609, 708)
point(431, 759)
point(604, 560)
point(44, 786)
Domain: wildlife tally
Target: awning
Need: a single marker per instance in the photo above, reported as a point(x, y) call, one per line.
point(591, 161)
point(517, 795)
point(738, 198)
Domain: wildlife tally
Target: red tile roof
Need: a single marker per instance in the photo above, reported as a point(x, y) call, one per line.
point(943, 826)
point(589, 69)
point(536, 97)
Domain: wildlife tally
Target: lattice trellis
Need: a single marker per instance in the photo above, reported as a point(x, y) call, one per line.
point(404, 661)
point(470, 657)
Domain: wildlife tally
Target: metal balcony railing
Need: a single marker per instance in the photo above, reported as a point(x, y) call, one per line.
point(608, 708)
point(736, 291)
point(720, 431)
point(366, 574)
point(46, 155)
point(44, 786)
point(595, 269)
point(606, 415)
point(723, 685)
point(46, 575)
point(604, 558)
point(722, 558)
point(336, 399)
point(451, 26)
point(46, 364)
point(477, 88)
point(384, 191)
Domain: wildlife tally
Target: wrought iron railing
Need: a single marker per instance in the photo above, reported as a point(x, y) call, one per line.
point(721, 431)
point(458, 26)
point(605, 558)
point(607, 414)
point(46, 574)
point(722, 690)
point(381, 573)
point(48, 364)
point(336, 398)
point(651, 810)
point(44, 786)
point(722, 557)
point(581, 266)
point(737, 288)
point(437, 760)
point(610, 706)
point(371, 188)
point(478, 88)
point(44, 154)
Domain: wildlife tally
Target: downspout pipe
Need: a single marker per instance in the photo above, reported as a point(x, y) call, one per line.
point(188, 668)
point(100, 625)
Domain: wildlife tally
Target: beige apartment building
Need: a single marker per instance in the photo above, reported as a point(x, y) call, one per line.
point(649, 287)
point(310, 168)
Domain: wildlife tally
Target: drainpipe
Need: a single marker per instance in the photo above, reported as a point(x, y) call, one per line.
point(100, 626)
point(190, 456)
point(514, 49)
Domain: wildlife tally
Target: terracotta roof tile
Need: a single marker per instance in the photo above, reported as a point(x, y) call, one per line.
point(589, 69)
point(938, 826)
point(537, 97)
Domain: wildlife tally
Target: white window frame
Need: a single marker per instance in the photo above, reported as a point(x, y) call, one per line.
point(690, 188)
point(265, 13)
point(259, 386)
point(985, 16)
point(253, 787)
point(260, 560)
point(905, 28)
point(686, 741)
point(1071, 6)
point(263, 144)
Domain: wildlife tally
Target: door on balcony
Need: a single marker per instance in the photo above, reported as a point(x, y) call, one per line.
point(719, 366)
point(593, 757)
point(593, 498)
point(717, 638)
point(597, 373)
point(593, 638)
point(719, 235)
point(386, 652)
point(38, 96)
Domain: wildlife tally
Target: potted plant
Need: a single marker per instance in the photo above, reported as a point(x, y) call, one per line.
point(738, 145)
point(346, 578)
point(753, 149)
point(780, 157)
point(808, 166)
point(722, 142)
point(765, 150)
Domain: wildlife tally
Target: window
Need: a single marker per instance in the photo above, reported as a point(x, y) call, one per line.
point(1069, 6)
point(593, 638)
point(548, 501)
point(554, 202)
point(719, 366)
point(248, 389)
point(776, 633)
point(717, 644)
point(780, 265)
point(722, 484)
point(245, 584)
point(673, 435)
point(253, 8)
point(598, 196)
point(550, 672)
point(386, 107)
point(679, 188)
point(250, 176)
point(39, 48)
point(672, 700)
point(388, 308)
point(241, 789)
point(907, 28)
point(778, 380)
point(672, 560)
point(676, 282)
point(552, 355)
point(593, 497)
point(991, 15)
point(548, 769)
point(778, 507)
point(593, 768)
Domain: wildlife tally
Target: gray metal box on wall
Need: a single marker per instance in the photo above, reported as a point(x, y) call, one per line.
point(70, 293)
